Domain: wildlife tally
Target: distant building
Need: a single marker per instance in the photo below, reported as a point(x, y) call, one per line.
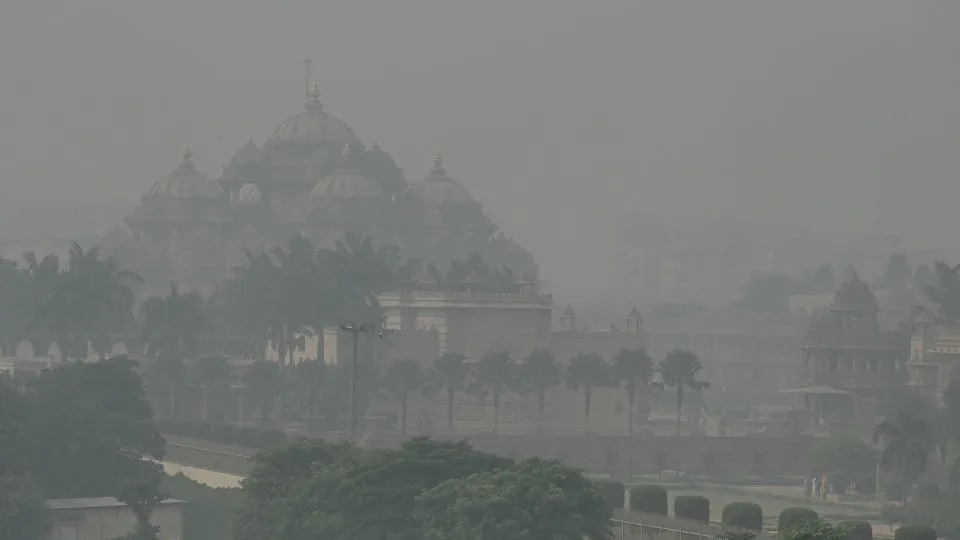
point(106, 518)
point(846, 349)
point(934, 356)
point(313, 176)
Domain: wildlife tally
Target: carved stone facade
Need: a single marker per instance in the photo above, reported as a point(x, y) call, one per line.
point(313, 177)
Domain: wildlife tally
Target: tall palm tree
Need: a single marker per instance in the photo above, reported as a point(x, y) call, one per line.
point(587, 371)
point(172, 327)
point(540, 373)
point(449, 373)
point(633, 370)
point(402, 377)
point(905, 443)
point(297, 312)
point(89, 301)
point(679, 370)
point(497, 373)
point(263, 381)
point(212, 374)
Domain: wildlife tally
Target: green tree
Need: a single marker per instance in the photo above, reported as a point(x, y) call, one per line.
point(22, 512)
point(141, 493)
point(213, 375)
point(299, 305)
point(906, 441)
point(449, 373)
point(897, 273)
point(263, 381)
point(172, 326)
point(402, 377)
point(540, 373)
point(633, 371)
point(277, 474)
point(90, 301)
point(373, 497)
point(945, 292)
point(587, 371)
point(497, 373)
point(679, 370)
point(534, 499)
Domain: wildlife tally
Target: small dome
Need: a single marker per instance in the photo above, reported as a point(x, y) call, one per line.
point(186, 183)
point(249, 194)
point(346, 182)
point(248, 156)
point(438, 188)
point(312, 127)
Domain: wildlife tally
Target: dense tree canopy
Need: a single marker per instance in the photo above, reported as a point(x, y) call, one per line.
point(79, 430)
point(534, 499)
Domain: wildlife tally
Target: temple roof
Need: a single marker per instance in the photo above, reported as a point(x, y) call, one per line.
point(345, 182)
point(186, 182)
point(313, 126)
point(438, 188)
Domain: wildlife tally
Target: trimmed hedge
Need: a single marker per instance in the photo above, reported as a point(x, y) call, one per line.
point(915, 532)
point(612, 492)
point(858, 530)
point(649, 498)
point(745, 515)
point(692, 507)
point(794, 517)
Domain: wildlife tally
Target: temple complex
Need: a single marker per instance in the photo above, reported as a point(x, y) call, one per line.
point(312, 176)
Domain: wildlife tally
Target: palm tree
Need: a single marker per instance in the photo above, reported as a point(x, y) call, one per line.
point(905, 442)
point(587, 371)
point(263, 381)
point(297, 309)
point(402, 377)
point(633, 369)
point(540, 373)
point(679, 370)
point(90, 301)
point(172, 327)
point(450, 374)
point(497, 373)
point(212, 374)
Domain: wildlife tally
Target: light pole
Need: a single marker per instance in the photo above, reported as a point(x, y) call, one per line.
point(354, 328)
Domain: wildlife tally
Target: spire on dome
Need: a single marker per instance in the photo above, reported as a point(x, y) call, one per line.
point(187, 162)
point(437, 169)
point(314, 97)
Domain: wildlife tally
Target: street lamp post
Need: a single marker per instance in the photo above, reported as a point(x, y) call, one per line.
point(354, 328)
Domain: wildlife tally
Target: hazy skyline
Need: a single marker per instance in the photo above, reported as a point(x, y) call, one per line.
point(555, 115)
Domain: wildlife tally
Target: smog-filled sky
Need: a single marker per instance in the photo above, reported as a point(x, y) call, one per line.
point(556, 115)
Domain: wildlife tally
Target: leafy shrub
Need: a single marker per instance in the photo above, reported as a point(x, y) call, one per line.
point(866, 485)
point(612, 492)
point(692, 507)
point(270, 438)
point(209, 512)
point(857, 530)
point(649, 498)
point(223, 433)
point(915, 532)
point(745, 515)
point(794, 517)
point(245, 436)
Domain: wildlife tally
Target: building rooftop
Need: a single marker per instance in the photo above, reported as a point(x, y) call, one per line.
point(94, 502)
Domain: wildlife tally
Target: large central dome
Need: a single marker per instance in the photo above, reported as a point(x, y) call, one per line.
point(313, 127)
